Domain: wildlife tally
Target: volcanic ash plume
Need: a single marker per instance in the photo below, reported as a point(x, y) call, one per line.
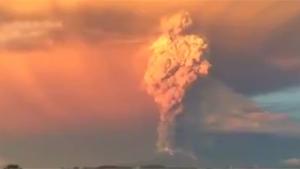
point(177, 60)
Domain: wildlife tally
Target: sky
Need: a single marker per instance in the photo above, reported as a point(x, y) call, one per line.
point(71, 83)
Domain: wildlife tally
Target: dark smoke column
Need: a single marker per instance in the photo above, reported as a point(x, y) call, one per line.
point(177, 60)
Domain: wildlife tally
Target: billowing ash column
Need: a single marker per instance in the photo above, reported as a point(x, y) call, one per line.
point(177, 60)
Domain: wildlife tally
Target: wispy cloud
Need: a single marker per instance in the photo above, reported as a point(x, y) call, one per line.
point(284, 100)
point(292, 162)
point(29, 33)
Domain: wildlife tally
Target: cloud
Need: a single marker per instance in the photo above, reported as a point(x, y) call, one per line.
point(245, 45)
point(292, 162)
point(287, 61)
point(28, 34)
point(219, 108)
point(59, 89)
point(248, 122)
point(281, 101)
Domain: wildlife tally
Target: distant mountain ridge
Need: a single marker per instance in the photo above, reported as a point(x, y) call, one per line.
point(177, 160)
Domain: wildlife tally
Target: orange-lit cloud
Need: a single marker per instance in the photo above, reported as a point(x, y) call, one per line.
point(27, 34)
point(28, 7)
point(68, 85)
